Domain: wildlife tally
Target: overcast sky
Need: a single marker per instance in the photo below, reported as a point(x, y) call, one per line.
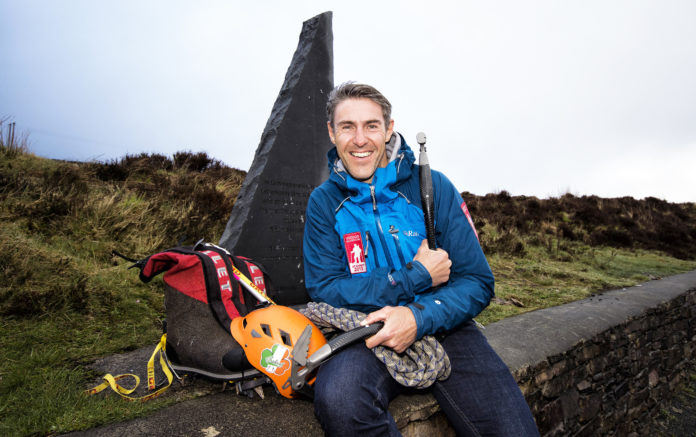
point(533, 97)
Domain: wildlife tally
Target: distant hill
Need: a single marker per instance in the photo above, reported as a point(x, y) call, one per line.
point(650, 224)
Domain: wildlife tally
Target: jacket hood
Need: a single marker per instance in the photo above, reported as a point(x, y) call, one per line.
point(401, 160)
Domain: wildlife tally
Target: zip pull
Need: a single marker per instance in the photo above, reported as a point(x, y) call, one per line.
point(367, 242)
point(393, 230)
point(374, 200)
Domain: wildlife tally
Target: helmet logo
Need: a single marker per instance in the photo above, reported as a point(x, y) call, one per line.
point(275, 360)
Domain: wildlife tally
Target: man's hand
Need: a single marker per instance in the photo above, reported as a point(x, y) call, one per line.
point(437, 263)
point(399, 329)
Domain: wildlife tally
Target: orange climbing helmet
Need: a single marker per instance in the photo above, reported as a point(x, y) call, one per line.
point(278, 340)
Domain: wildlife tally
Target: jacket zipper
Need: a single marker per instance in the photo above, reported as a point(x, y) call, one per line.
point(395, 234)
point(370, 245)
point(379, 228)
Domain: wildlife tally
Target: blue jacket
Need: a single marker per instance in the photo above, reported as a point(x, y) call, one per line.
point(360, 240)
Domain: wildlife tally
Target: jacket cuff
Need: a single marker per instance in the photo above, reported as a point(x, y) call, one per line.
point(417, 314)
point(419, 276)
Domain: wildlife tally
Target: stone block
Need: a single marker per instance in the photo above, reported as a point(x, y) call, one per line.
point(435, 426)
point(634, 412)
point(637, 398)
point(590, 429)
point(620, 389)
point(543, 376)
point(620, 408)
point(589, 406)
point(618, 340)
point(584, 386)
point(550, 417)
point(528, 388)
point(674, 382)
point(677, 337)
point(556, 358)
point(554, 387)
point(589, 351)
point(672, 357)
point(570, 403)
point(523, 373)
point(553, 371)
point(596, 365)
point(636, 325)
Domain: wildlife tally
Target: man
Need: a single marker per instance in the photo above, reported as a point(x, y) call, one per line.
point(371, 203)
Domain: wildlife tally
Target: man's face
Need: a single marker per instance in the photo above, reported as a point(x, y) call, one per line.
point(360, 136)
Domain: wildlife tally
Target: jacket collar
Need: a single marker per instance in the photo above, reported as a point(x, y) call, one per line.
point(398, 169)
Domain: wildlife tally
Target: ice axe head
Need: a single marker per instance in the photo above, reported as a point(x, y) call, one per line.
point(420, 137)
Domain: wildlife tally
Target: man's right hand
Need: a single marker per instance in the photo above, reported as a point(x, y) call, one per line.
point(437, 263)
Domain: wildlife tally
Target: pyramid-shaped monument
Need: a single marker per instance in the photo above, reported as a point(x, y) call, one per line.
point(267, 220)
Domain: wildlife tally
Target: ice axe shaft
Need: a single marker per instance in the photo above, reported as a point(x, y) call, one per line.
point(426, 191)
point(250, 286)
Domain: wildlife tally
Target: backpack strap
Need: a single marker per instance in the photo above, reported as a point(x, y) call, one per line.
point(217, 268)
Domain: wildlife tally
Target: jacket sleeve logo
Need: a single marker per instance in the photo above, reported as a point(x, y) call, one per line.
point(355, 253)
point(465, 210)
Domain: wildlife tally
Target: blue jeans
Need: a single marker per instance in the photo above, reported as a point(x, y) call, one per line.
point(480, 398)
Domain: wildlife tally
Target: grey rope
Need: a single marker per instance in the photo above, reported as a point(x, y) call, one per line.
point(419, 366)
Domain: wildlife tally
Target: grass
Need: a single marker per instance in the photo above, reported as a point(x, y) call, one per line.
point(65, 300)
point(538, 281)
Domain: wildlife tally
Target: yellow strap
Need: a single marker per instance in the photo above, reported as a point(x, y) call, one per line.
point(240, 276)
point(110, 380)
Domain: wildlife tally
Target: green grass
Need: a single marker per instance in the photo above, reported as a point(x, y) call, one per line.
point(537, 280)
point(65, 300)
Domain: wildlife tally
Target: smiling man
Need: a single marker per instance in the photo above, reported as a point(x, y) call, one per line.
point(360, 135)
point(365, 249)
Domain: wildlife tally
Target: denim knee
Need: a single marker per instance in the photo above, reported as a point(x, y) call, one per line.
point(351, 397)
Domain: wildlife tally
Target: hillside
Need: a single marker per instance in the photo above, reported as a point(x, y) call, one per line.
point(649, 224)
point(65, 300)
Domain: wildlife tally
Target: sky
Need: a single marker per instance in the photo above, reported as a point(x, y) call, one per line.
point(538, 98)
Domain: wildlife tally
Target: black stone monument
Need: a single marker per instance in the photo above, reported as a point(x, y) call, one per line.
point(267, 220)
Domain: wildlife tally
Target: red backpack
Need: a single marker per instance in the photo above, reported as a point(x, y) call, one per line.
point(201, 298)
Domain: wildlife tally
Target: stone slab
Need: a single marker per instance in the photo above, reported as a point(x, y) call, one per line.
point(267, 220)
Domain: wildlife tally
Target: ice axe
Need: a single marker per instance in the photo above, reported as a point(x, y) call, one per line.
point(426, 191)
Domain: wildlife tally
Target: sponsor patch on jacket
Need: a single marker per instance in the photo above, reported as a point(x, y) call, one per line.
point(465, 210)
point(355, 252)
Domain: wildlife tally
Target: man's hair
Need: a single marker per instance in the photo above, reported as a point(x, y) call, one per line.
point(352, 90)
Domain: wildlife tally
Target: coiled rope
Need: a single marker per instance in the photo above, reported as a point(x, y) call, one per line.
point(419, 366)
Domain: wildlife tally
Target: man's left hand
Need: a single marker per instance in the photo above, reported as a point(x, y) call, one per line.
point(399, 330)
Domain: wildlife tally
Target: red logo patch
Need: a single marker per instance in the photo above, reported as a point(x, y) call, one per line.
point(465, 210)
point(355, 252)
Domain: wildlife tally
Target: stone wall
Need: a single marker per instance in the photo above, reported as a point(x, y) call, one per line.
point(601, 366)
point(615, 381)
